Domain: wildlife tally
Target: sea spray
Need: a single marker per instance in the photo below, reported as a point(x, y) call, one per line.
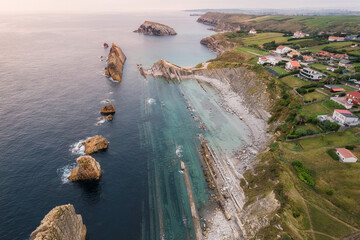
point(65, 172)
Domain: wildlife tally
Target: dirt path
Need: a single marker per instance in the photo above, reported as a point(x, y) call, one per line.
point(313, 232)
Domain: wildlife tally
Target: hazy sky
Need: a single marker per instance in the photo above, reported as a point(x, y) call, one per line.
point(73, 6)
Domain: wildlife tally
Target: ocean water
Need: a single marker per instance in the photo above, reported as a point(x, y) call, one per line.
point(51, 89)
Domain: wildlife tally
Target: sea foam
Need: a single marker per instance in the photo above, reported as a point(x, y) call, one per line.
point(65, 172)
point(179, 151)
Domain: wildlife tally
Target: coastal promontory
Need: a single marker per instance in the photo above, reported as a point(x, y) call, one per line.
point(89, 169)
point(115, 63)
point(156, 29)
point(95, 144)
point(61, 223)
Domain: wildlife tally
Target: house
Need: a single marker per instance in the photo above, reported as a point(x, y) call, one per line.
point(321, 33)
point(346, 156)
point(353, 97)
point(333, 38)
point(300, 34)
point(311, 74)
point(252, 31)
point(334, 88)
point(293, 53)
point(331, 69)
point(341, 39)
point(271, 60)
point(308, 59)
point(345, 117)
point(292, 65)
point(345, 63)
point(282, 49)
point(327, 55)
point(350, 37)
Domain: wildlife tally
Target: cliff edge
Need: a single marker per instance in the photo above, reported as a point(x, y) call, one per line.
point(61, 223)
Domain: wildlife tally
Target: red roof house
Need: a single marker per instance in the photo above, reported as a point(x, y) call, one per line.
point(346, 155)
point(354, 97)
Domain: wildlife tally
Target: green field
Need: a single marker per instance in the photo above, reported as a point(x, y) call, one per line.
point(252, 51)
point(313, 96)
point(292, 81)
point(279, 70)
point(337, 45)
point(262, 38)
point(321, 108)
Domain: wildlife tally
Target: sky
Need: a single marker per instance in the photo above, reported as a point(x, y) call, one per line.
point(93, 6)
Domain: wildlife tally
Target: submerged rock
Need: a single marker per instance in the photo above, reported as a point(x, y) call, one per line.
point(157, 29)
point(115, 63)
point(61, 223)
point(95, 144)
point(89, 169)
point(108, 109)
point(106, 45)
point(107, 118)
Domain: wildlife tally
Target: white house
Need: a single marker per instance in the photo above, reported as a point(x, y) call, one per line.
point(282, 49)
point(345, 117)
point(271, 60)
point(346, 156)
point(300, 34)
point(292, 65)
point(311, 74)
point(252, 31)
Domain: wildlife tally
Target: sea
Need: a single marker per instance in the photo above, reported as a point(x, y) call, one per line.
point(52, 86)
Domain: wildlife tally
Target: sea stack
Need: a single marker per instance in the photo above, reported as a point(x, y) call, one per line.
point(89, 169)
point(157, 29)
point(115, 63)
point(95, 144)
point(106, 45)
point(108, 109)
point(61, 223)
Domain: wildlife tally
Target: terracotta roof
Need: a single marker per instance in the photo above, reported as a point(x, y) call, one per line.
point(295, 63)
point(280, 47)
point(338, 89)
point(345, 153)
point(343, 111)
point(355, 94)
point(309, 57)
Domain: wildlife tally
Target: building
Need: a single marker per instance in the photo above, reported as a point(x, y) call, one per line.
point(270, 60)
point(308, 59)
point(300, 34)
point(334, 88)
point(327, 55)
point(311, 74)
point(346, 156)
point(252, 31)
point(345, 117)
point(336, 39)
point(331, 69)
point(353, 97)
point(350, 37)
point(293, 53)
point(345, 63)
point(282, 49)
point(292, 65)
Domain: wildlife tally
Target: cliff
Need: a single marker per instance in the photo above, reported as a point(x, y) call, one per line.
point(61, 223)
point(88, 169)
point(115, 63)
point(157, 29)
point(95, 144)
point(217, 45)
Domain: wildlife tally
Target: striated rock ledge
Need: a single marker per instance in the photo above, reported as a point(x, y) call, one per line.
point(219, 22)
point(115, 63)
point(95, 144)
point(218, 46)
point(61, 223)
point(157, 29)
point(108, 109)
point(89, 169)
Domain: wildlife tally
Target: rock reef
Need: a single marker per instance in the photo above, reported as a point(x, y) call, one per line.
point(156, 29)
point(95, 144)
point(88, 169)
point(115, 63)
point(61, 223)
point(108, 109)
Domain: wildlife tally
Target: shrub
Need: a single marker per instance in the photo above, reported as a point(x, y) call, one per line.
point(274, 146)
point(333, 154)
point(350, 147)
point(296, 214)
point(304, 174)
point(330, 192)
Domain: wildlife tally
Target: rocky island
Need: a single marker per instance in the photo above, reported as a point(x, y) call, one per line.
point(95, 144)
point(157, 29)
point(115, 63)
point(89, 169)
point(61, 223)
point(108, 109)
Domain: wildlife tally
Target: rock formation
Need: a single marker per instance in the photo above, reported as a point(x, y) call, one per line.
point(107, 118)
point(61, 223)
point(108, 109)
point(217, 45)
point(106, 45)
point(95, 144)
point(157, 29)
point(89, 169)
point(115, 63)
point(170, 71)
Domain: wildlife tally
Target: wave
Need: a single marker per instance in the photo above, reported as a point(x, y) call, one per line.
point(100, 121)
point(179, 150)
point(106, 101)
point(78, 148)
point(65, 172)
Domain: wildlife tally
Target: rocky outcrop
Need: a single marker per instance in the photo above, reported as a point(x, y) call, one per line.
point(95, 144)
point(108, 109)
point(115, 63)
point(170, 71)
point(61, 223)
point(217, 45)
point(106, 45)
point(157, 29)
point(88, 169)
point(107, 118)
